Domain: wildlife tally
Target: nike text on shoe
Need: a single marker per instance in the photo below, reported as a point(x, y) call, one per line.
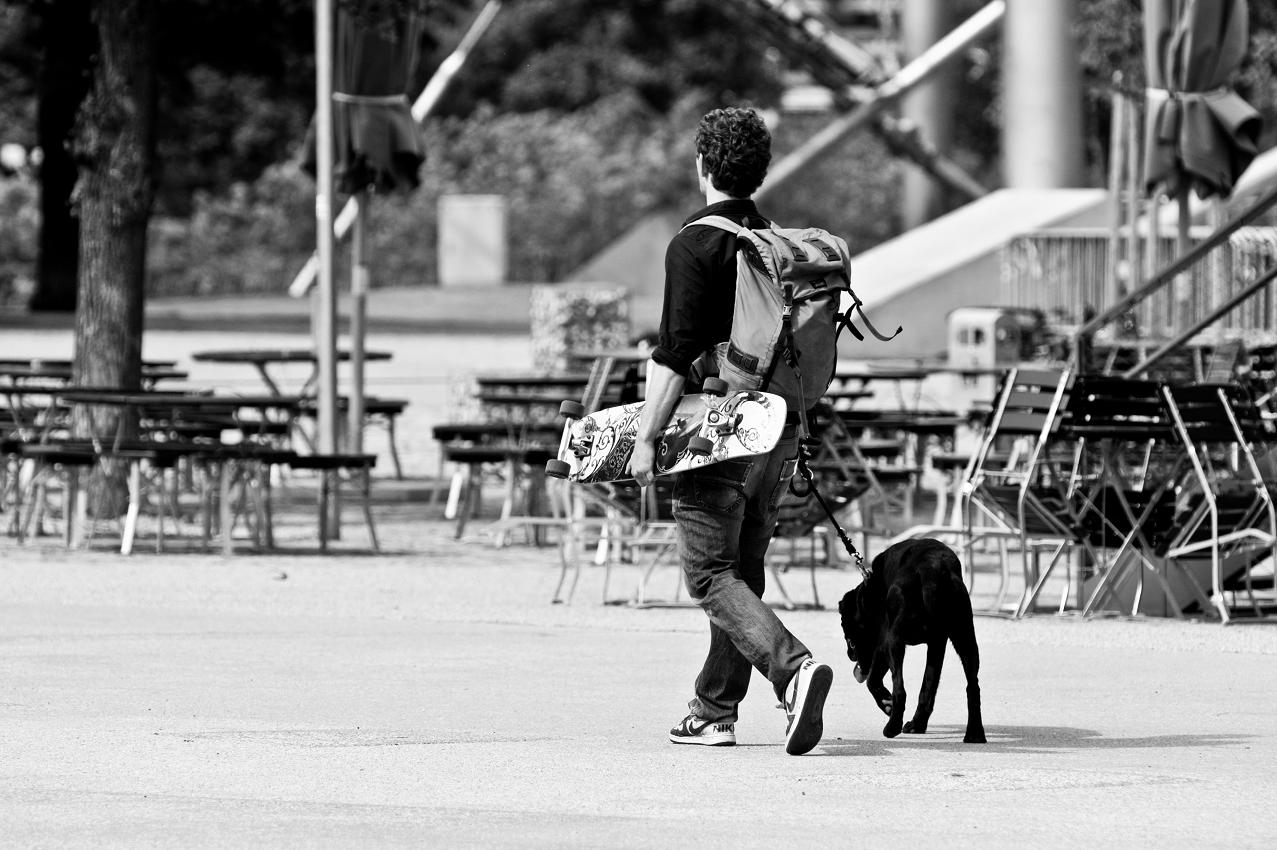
point(805, 705)
point(707, 733)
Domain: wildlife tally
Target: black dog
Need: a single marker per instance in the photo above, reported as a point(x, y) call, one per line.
point(913, 594)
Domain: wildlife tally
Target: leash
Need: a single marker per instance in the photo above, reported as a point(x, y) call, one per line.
point(785, 347)
point(804, 452)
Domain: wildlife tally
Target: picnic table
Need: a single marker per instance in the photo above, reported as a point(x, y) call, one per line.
point(262, 359)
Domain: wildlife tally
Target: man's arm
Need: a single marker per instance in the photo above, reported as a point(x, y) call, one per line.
point(664, 389)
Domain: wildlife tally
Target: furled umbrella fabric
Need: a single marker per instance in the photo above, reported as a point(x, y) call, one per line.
point(377, 147)
point(1199, 132)
point(377, 144)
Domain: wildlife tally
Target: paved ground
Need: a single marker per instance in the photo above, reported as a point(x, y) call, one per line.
point(432, 696)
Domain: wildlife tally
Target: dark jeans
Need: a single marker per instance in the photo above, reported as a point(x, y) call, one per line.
point(726, 513)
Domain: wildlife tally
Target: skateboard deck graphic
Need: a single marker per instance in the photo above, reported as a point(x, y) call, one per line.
point(597, 447)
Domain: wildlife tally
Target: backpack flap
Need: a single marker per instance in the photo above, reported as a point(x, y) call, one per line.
point(815, 261)
point(814, 265)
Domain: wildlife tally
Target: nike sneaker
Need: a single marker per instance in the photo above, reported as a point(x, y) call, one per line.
point(805, 706)
point(707, 733)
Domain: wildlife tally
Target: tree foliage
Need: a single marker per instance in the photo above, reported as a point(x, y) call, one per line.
point(567, 54)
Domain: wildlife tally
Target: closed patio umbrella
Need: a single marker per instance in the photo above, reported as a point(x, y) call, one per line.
point(1199, 133)
point(377, 144)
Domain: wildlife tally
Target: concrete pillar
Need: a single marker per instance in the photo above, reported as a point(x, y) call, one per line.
point(1042, 107)
point(929, 107)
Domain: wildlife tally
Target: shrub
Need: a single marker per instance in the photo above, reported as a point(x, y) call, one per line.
point(19, 230)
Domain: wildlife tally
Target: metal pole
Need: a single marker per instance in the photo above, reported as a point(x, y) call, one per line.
point(929, 107)
point(1117, 164)
point(358, 312)
point(1042, 96)
point(884, 95)
point(326, 353)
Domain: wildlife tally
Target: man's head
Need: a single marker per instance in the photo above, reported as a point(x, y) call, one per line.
point(735, 148)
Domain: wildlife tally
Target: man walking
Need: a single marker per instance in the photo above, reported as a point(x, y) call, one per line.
point(726, 512)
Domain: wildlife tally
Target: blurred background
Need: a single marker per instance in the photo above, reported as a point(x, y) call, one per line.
point(579, 112)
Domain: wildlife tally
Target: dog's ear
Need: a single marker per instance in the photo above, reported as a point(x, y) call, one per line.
point(847, 608)
point(876, 565)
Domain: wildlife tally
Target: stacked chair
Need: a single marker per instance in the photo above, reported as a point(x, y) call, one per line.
point(1021, 484)
point(1129, 472)
point(1225, 516)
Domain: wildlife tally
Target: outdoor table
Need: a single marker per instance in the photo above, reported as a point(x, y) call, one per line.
point(263, 358)
point(898, 375)
point(60, 372)
point(632, 354)
point(851, 396)
point(523, 399)
point(178, 406)
point(514, 381)
point(31, 420)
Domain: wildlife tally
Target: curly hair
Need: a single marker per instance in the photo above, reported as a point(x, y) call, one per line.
point(736, 148)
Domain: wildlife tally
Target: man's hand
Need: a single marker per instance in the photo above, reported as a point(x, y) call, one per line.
point(664, 387)
point(643, 462)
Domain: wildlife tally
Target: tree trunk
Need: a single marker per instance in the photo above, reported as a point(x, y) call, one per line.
point(115, 149)
point(67, 37)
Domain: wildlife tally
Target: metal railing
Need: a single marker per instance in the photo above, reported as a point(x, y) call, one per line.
point(1233, 285)
point(1068, 273)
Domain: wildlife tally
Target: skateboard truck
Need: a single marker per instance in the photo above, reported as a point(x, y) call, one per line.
point(554, 467)
point(722, 423)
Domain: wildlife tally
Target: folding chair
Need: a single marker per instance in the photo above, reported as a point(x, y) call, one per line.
point(1020, 484)
point(1228, 508)
point(1132, 465)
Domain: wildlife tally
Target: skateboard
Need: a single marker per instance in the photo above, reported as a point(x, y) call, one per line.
point(704, 428)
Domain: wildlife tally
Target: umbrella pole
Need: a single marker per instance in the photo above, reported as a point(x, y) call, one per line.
point(325, 354)
point(1183, 295)
point(1153, 218)
point(1134, 168)
point(1117, 162)
point(358, 324)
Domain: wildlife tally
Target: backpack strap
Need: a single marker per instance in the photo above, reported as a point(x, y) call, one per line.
point(722, 222)
point(858, 306)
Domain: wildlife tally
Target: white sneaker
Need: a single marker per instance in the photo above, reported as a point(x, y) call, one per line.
point(805, 704)
point(707, 733)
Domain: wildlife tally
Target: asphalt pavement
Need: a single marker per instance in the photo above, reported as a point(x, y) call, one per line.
point(432, 696)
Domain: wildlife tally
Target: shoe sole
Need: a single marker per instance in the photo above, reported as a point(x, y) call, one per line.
point(703, 742)
point(809, 725)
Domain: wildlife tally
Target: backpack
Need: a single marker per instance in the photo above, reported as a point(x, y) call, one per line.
point(787, 318)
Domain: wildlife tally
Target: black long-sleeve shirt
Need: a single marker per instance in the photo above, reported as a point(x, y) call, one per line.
point(700, 285)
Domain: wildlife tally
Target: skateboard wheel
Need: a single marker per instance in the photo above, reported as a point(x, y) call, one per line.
point(700, 445)
point(572, 409)
point(556, 468)
point(714, 386)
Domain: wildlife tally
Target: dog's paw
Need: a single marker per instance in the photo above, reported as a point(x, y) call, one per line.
point(892, 729)
point(913, 727)
point(974, 736)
